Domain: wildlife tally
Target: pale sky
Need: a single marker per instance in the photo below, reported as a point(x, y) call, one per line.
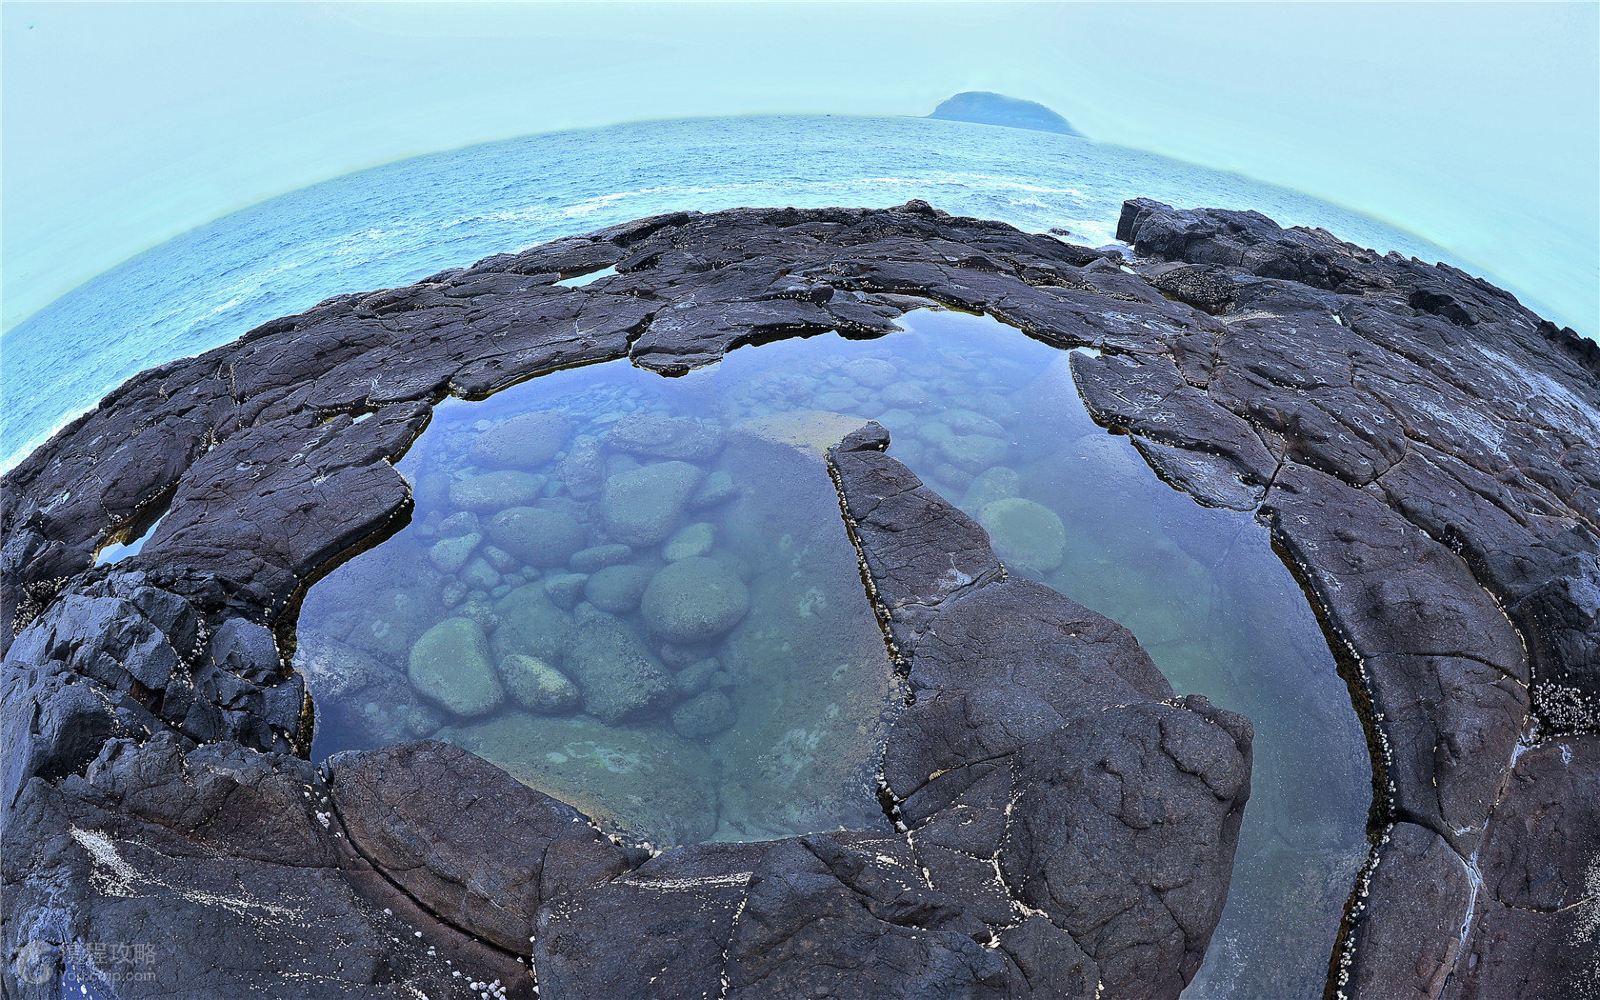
point(1475, 126)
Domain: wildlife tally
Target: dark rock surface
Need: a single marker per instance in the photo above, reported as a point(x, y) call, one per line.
point(987, 108)
point(1420, 445)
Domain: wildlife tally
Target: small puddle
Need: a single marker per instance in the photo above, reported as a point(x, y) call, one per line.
point(647, 582)
point(133, 541)
point(579, 280)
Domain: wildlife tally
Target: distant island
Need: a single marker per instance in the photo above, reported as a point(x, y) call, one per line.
point(986, 108)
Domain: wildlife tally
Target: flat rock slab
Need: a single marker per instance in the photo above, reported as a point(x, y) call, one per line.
point(1422, 447)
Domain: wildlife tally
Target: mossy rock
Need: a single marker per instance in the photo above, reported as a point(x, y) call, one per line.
point(450, 666)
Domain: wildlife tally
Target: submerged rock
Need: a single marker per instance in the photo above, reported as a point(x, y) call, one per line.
point(531, 624)
point(691, 540)
point(698, 676)
point(598, 557)
point(525, 441)
point(694, 600)
point(491, 491)
point(450, 554)
point(643, 506)
point(973, 452)
point(537, 686)
point(619, 678)
point(998, 483)
point(450, 666)
point(656, 435)
point(566, 589)
point(718, 488)
point(617, 589)
point(537, 535)
point(658, 788)
point(706, 714)
point(810, 430)
point(1026, 535)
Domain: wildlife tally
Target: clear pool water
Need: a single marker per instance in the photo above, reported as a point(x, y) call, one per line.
point(637, 593)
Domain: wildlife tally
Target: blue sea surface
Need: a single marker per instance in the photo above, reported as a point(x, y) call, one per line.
point(394, 224)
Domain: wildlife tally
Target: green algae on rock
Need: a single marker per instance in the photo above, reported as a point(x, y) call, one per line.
point(450, 666)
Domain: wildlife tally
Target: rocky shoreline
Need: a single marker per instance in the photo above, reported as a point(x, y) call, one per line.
point(1420, 446)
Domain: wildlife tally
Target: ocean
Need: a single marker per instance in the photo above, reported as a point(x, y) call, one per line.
point(394, 224)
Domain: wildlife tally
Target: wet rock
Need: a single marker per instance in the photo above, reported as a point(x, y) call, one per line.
point(643, 506)
point(1537, 932)
point(598, 557)
point(433, 816)
point(694, 600)
point(450, 666)
point(1420, 898)
point(691, 540)
point(244, 648)
point(1026, 535)
point(1026, 702)
point(617, 589)
point(525, 441)
point(537, 535)
point(705, 714)
point(256, 846)
point(537, 686)
point(492, 491)
point(450, 554)
point(618, 677)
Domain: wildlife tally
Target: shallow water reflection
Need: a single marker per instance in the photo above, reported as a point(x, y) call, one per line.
point(636, 593)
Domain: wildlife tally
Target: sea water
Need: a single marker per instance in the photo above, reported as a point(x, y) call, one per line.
point(395, 224)
point(638, 594)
